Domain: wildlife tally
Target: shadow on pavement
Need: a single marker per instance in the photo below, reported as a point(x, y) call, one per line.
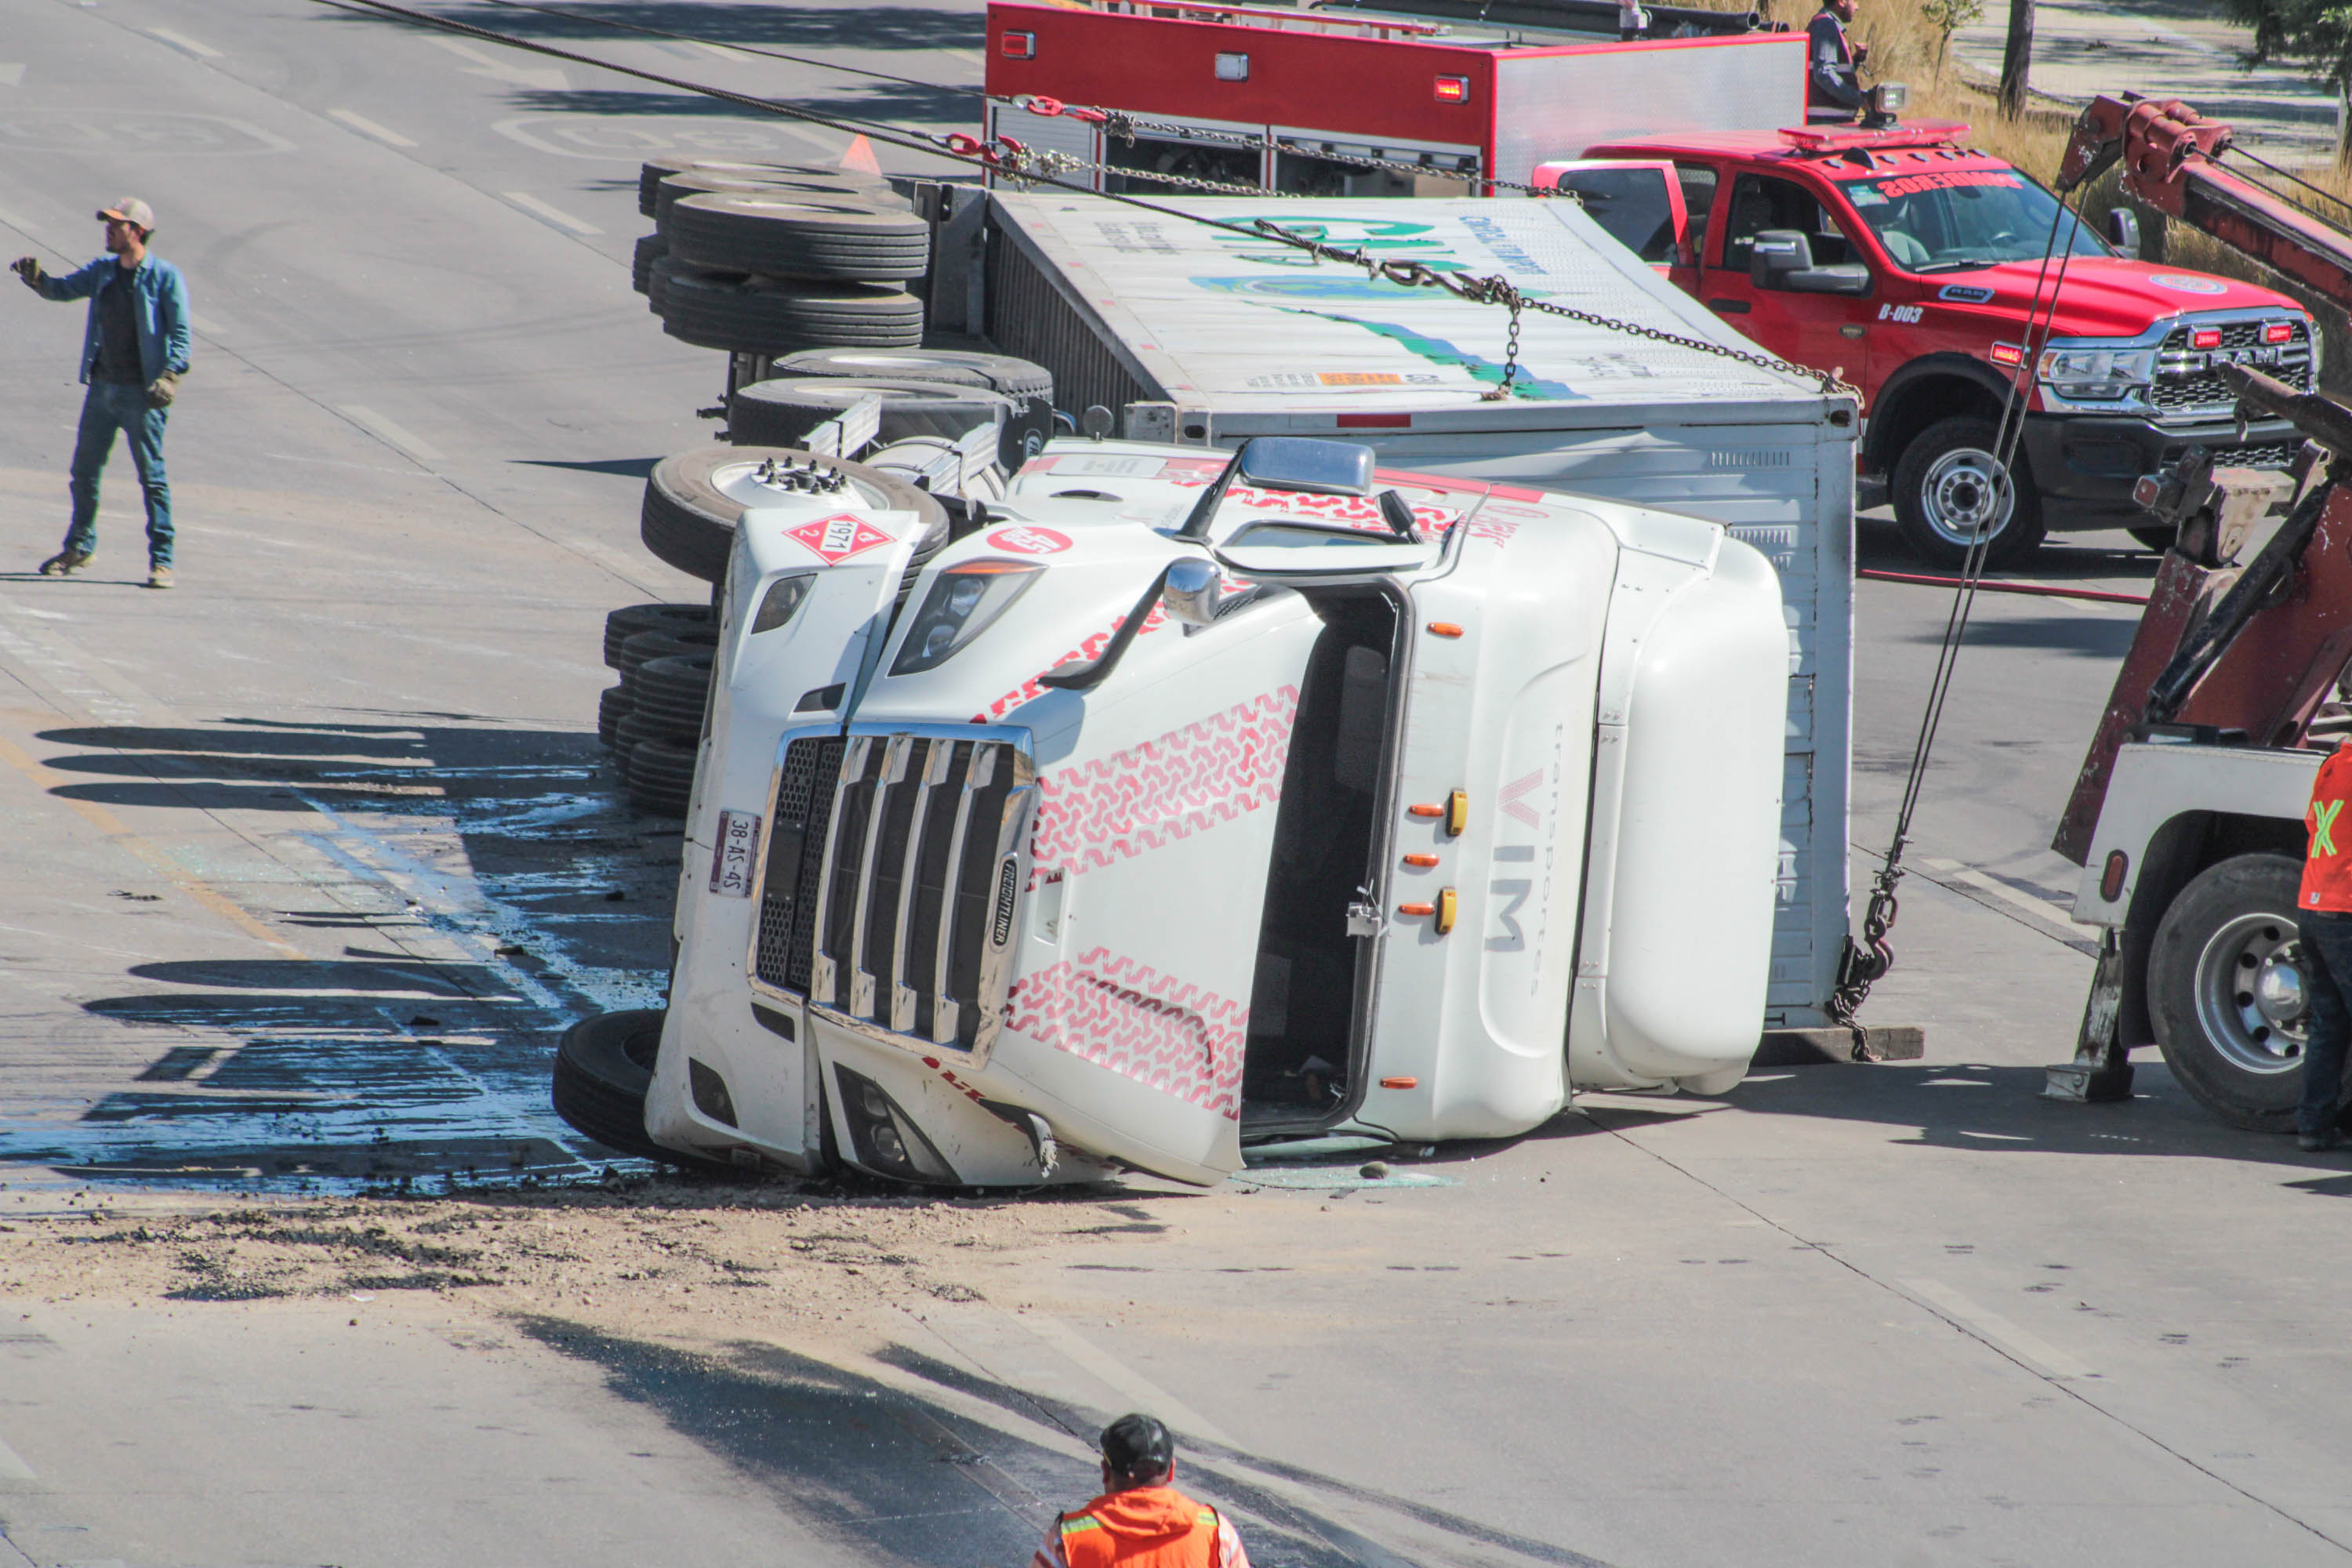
point(487, 889)
point(904, 1480)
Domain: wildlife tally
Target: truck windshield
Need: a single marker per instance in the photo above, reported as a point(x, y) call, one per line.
point(1952, 219)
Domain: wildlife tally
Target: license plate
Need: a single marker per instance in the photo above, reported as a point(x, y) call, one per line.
point(736, 854)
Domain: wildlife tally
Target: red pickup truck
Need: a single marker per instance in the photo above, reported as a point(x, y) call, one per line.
point(1912, 263)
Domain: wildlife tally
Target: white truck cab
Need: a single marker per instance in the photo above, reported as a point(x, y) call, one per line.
point(1179, 802)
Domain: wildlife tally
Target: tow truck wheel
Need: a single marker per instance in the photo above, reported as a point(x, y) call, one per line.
point(1949, 490)
point(2225, 991)
point(603, 1070)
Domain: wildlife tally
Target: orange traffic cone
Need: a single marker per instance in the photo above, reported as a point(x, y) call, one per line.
point(861, 158)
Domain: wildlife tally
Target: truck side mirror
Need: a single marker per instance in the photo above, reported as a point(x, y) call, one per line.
point(2123, 232)
point(1190, 592)
point(1775, 251)
point(1783, 260)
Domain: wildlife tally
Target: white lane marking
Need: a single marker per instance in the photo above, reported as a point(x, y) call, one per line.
point(967, 56)
point(184, 44)
point(2003, 1334)
point(366, 127)
point(11, 73)
point(721, 50)
point(408, 441)
point(547, 79)
point(555, 215)
point(13, 1468)
point(2040, 909)
point(1116, 1374)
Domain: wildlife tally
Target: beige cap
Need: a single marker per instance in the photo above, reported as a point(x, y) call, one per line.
point(131, 210)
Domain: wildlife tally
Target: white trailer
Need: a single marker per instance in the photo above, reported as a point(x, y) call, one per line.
point(1206, 337)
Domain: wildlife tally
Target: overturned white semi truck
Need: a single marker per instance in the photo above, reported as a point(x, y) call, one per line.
point(1433, 756)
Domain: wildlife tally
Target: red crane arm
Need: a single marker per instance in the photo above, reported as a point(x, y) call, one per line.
point(2170, 155)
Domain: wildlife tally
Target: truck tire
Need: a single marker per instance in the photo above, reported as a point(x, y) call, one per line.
point(690, 183)
point(651, 248)
point(782, 232)
point(663, 642)
point(626, 622)
point(674, 689)
point(612, 706)
point(780, 412)
point(688, 519)
point(604, 1070)
point(744, 314)
point(654, 170)
point(1945, 492)
point(998, 373)
point(2225, 992)
point(661, 776)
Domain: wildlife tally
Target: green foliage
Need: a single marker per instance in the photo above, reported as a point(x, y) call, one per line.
point(2317, 32)
point(1948, 16)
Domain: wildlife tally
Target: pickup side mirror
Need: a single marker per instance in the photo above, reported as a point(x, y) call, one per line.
point(1782, 259)
point(2123, 232)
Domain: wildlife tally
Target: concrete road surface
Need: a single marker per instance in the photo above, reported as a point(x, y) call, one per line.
point(309, 859)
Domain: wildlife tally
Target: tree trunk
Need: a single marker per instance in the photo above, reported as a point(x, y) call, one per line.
point(2344, 125)
point(2017, 57)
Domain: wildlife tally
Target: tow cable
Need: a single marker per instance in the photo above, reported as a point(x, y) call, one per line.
point(1867, 961)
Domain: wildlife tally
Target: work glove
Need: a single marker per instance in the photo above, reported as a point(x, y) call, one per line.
point(163, 389)
point(28, 270)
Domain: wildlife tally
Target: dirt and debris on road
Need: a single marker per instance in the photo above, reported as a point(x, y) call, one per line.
point(631, 1254)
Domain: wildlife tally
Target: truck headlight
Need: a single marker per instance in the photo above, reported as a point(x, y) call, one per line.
point(2084, 374)
point(964, 601)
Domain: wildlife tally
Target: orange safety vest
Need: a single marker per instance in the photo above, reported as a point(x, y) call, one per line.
point(2328, 867)
point(1150, 1527)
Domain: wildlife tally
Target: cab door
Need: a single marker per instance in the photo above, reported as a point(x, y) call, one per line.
point(1824, 332)
point(1638, 204)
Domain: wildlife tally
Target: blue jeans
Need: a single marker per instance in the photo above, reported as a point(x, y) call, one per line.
point(111, 406)
point(2327, 968)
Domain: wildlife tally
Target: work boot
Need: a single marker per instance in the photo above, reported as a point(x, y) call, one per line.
point(2316, 1142)
point(159, 576)
point(64, 561)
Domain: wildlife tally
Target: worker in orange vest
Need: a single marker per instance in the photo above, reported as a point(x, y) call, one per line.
point(1141, 1521)
point(2323, 911)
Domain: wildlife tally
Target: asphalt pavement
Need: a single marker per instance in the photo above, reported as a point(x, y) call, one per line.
point(312, 855)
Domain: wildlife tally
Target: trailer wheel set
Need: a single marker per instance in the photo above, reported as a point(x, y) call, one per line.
point(793, 271)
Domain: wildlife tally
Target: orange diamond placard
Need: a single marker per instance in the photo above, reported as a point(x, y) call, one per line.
point(837, 538)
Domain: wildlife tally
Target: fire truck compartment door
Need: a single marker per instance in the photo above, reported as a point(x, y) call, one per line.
point(1637, 203)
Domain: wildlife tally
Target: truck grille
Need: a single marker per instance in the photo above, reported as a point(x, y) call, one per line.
point(885, 899)
point(2188, 383)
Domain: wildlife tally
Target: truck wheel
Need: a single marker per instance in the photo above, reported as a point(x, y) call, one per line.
point(692, 502)
point(796, 234)
point(654, 170)
point(746, 314)
point(626, 622)
point(2225, 991)
point(779, 412)
point(603, 1070)
point(1948, 491)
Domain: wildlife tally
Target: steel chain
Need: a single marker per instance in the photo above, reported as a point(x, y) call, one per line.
point(1500, 291)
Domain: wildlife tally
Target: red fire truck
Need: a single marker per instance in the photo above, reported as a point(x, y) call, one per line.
point(1894, 254)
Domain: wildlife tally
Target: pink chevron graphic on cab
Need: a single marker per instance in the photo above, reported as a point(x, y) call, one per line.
point(1121, 806)
point(1140, 1024)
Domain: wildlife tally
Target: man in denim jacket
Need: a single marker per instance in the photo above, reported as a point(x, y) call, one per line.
point(133, 354)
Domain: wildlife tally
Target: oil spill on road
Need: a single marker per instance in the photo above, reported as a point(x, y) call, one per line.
point(485, 888)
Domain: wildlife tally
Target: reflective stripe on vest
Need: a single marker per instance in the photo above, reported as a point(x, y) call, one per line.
point(1088, 1543)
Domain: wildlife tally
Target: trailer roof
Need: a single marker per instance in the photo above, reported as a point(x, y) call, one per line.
point(1225, 318)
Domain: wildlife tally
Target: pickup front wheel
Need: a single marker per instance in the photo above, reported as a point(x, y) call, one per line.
point(1951, 489)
